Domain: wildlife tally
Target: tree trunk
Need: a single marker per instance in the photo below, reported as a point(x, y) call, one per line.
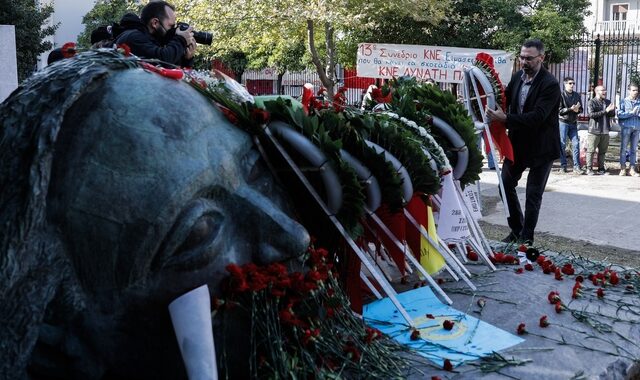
point(279, 83)
point(331, 58)
point(327, 81)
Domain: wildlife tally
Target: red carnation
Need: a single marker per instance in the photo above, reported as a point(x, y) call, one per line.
point(372, 334)
point(600, 293)
point(579, 278)
point(415, 335)
point(558, 275)
point(259, 116)
point(124, 49)
point(558, 307)
point(435, 378)
point(541, 259)
point(528, 267)
point(576, 290)
point(614, 279)
point(377, 95)
point(68, 50)
point(519, 270)
point(352, 351)
point(522, 248)
point(472, 255)
point(568, 269)
point(510, 259)
point(430, 316)
point(447, 366)
point(229, 114)
point(553, 297)
point(448, 325)
point(543, 321)
point(521, 329)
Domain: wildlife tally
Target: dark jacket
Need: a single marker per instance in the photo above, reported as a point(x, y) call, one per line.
point(534, 133)
point(145, 45)
point(599, 118)
point(565, 113)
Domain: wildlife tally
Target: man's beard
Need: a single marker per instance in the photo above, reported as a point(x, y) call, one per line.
point(161, 35)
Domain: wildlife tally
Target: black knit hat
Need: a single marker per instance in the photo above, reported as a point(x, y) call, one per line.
point(101, 33)
point(54, 55)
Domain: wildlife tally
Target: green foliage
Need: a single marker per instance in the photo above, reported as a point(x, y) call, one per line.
point(489, 24)
point(105, 12)
point(31, 30)
point(273, 34)
point(430, 100)
point(317, 129)
point(236, 61)
point(391, 135)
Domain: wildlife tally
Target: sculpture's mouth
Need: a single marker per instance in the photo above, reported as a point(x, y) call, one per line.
point(191, 318)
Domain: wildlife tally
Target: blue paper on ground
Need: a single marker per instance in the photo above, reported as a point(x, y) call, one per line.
point(469, 339)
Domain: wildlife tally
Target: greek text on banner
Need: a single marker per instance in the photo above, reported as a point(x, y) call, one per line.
point(441, 63)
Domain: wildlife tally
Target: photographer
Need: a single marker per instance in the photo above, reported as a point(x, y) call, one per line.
point(155, 35)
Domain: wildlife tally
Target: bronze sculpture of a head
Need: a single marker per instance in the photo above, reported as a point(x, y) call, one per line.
point(121, 192)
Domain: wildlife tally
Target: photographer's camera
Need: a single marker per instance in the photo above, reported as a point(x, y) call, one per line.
point(204, 38)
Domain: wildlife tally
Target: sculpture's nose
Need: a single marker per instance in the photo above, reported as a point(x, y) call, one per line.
point(278, 236)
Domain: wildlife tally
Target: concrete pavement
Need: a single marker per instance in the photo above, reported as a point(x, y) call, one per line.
point(599, 209)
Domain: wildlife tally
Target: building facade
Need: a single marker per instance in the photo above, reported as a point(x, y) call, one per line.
point(614, 16)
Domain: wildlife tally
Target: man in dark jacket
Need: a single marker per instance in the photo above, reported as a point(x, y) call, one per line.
point(601, 110)
point(533, 96)
point(570, 107)
point(155, 35)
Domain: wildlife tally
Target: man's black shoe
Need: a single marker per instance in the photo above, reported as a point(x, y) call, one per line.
point(511, 238)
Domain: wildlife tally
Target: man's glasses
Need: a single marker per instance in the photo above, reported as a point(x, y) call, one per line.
point(528, 59)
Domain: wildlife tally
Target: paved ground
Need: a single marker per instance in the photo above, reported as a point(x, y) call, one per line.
point(603, 210)
point(592, 338)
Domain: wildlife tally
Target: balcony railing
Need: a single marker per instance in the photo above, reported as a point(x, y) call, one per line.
point(618, 26)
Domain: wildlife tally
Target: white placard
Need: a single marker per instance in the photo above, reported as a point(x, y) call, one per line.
point(191, 318)
point(471, 198)
point(8, 61)
point(441, 63)
point(452, 223)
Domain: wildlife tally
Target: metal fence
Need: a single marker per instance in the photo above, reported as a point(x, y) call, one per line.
point(611, 59)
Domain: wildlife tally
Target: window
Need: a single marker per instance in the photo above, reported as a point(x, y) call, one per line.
point(619, 12)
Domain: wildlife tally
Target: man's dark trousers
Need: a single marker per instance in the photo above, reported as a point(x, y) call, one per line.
point(523, 226)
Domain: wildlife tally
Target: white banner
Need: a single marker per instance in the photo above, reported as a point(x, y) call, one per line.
point(442, 63)
point(471, 198)
point(452, 223)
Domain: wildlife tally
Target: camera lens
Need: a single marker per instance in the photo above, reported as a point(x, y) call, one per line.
point(204, 38)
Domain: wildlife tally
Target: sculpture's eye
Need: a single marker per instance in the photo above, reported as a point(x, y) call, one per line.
point(204, 230)
point(198, 247)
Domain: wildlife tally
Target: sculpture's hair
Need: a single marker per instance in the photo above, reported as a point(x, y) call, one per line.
point(34, 270)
